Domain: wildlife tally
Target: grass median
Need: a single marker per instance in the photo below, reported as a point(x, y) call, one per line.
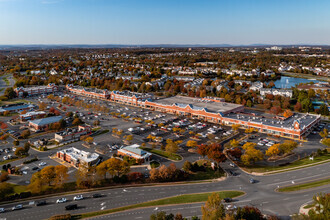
point(161, 153)
point(305, 186)
point(189, 198)
point(294, 165)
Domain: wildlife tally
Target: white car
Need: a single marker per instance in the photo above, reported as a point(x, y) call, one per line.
point(42, 164)
point(232, 165)
point(61, 200)
point(231, 207)
point(269, 144)
point(80, 197)
point(5, 158)
point(2, 210)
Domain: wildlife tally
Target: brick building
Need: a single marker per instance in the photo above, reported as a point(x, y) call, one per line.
point(32, 115)
point(89, 92)
point(78, 158)
point(43, 123)
point(36, 90)
point(72, 134)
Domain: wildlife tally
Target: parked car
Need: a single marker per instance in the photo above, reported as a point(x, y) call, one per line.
point(71, 207)
point(61, 200)
point(42, 164)
point(232, 165)
point(231, 207)
point(2, 210)
point(17, 207)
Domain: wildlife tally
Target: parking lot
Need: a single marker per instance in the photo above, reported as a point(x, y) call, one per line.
point(140, 123)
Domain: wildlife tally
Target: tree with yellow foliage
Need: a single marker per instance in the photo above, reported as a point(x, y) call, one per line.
point(251, 154)
point(273, 150)
point(191, 143)
point(213, 208)
point(234, 143)
point(235, 127)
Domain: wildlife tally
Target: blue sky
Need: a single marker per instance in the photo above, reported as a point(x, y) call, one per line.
point(164, 21)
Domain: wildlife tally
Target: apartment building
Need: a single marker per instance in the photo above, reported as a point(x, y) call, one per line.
point(36, 90)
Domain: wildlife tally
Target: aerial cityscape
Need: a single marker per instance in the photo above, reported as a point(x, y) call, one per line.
point(164, 110)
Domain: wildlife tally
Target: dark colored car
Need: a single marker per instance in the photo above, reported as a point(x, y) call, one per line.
point(35, 168)
point(40, 203)
point(227, 199)
point(97, 195)
point(71, 207)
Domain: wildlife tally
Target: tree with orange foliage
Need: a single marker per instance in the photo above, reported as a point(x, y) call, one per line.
point(287, 113)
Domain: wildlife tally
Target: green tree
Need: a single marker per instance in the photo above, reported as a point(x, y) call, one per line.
point(186, 166)
point(324, 110)
point(10, 93)
point(25, 134)
point(6, 189)
point(288, 146)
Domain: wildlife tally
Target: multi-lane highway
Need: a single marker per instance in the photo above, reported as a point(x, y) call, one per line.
point(260, 194)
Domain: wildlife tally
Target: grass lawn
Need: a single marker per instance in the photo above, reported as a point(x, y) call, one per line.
point(304, 186)
point(163, 153)
point(9, 161)
point(206, 175)
point(309, 206)
point(295, 164)
point(19, 188)
point(189, 198)
point(154, 164)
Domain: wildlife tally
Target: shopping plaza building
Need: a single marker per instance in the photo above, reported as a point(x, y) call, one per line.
point(216, 111)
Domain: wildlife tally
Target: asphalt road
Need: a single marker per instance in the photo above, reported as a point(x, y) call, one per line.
point(3, 84)
point(260, 194)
